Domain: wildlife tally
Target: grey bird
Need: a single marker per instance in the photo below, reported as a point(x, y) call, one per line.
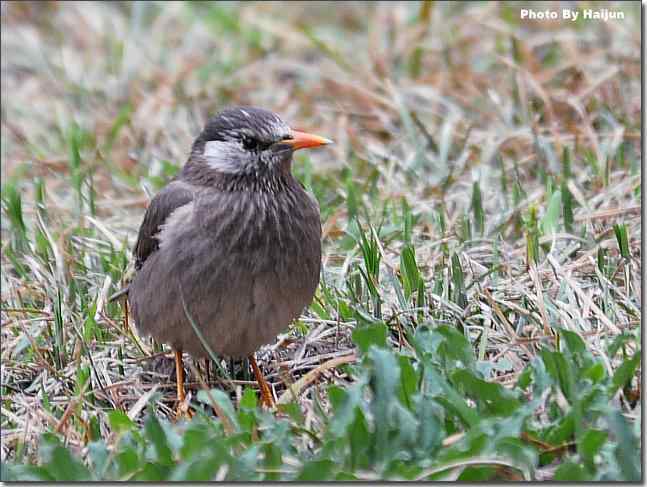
point(232, 243)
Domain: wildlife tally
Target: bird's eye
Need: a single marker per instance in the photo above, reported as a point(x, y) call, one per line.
point(250, 143)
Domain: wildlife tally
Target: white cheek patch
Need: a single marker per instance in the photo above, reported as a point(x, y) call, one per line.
point(223, 156)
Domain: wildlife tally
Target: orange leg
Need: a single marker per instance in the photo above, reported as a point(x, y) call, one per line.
point(266, 394)
point(179, 376)
point(182, 409)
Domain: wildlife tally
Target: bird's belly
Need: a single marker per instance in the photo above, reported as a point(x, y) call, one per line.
point(238, 300)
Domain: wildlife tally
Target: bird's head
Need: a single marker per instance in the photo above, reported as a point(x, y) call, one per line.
point(247, 140)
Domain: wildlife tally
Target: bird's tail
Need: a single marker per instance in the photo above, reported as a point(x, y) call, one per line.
point(119, 294)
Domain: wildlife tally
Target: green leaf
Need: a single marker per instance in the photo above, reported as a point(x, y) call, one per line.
point(272, 461)
point(316, 471)
point(439, 389)
point(98, 455)
point(119, 421)
point(618, 342)
point(194, 440)
point(372, 334)
point(24, 473)
point(477, 208)
point(127, 461)
point(454, 346)
point(157, 437)
point(293, 410)
point(59, 462)
point(344, 402)
point(245, 465)
point(562, 432)
point(567, 207)
point(409, 379)
point(624, 373)
point(623, 240)
point(203, 469)
point(385, 379)
point(409, 269)
point(590, 443)
point(561, 370)
point(477, 474)
point(571, 472)
point(458, 282)
point(550, 221)
point(596, 372)
point(628, 449)
point(151, 472)
point(431, 431)
point(222, 399)
point(360, 441)
point(249, 399)
point(493, 397)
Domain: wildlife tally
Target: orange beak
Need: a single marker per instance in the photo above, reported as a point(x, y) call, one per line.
point(302, 140)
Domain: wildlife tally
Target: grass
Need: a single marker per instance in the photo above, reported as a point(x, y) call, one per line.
point(479, 312)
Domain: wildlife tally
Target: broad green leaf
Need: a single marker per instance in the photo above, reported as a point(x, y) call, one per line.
point(200, 470)
point(245, 465)
point(494, 397)
point(561, 370)
point(372, 334)
point(590, 443)
point(624, 373)
point(628, 449)
point(157, 438)
point(572, 472)
point(151, 472)
point(194, 440)
point(477, 474)
point(222, 400)
point(127, 461)
point(59, 462)
point(344, 403)
point(98, 455)
point(385, 381)
point(409, 380)
point(454, 346)
point(440, 390)
point(316, 471)
point(119, 421)
point(360, 441)
point(24, 473)
point(249, 399)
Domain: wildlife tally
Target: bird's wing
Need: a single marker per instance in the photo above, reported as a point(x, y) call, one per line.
point(175, 194)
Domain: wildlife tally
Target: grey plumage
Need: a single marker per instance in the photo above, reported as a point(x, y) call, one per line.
point(238, 239)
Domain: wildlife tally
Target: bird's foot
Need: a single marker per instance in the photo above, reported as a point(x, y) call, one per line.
point(183, 410)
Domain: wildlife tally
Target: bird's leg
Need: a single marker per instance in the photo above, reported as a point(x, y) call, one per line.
point(179, 375)
point(179, 380)
point(266, 393)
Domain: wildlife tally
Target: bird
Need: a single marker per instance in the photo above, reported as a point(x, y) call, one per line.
point(229, 252)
